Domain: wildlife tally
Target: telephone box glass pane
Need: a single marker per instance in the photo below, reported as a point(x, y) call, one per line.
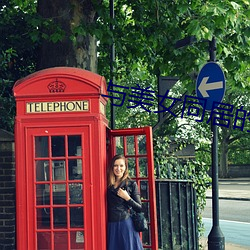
point(60, 217)
point(61, 240)
point(40, 194)
point(74, 145)
point(58, 171)
point(43, 241)
point(146, 236)
point(130, 145)
point(59, 194)
point(42, 170)
point(43, 218)
point(76, 216)
point(144, 190)
point(77, 240)
point(58, 146)
point(143, 165)
point(119, 145)
point(75, 193)
point(146, 210)
point(46, 194)
point(142, 144)
point(75, 169)
point(131, 167)
point(41, 146)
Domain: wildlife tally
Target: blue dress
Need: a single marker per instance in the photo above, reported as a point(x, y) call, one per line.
point(122, 236)
point(121, 232)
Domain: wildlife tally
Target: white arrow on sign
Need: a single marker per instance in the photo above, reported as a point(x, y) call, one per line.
point(204, 86)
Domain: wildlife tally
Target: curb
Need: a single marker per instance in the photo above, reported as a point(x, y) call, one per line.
point(230, 198)
point(243, 179)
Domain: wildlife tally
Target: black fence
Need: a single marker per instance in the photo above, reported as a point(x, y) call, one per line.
point(176, 210)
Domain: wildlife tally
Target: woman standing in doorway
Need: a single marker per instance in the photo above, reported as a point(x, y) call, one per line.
point(122, 195)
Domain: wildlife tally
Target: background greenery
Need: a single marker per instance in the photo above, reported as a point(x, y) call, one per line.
point(145, 34)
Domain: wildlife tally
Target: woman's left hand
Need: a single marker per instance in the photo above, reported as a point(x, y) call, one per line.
point(123, 194)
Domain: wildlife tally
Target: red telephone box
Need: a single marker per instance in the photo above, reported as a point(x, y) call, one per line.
point(61, 159)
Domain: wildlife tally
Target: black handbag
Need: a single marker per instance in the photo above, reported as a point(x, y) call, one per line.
point(140, 222)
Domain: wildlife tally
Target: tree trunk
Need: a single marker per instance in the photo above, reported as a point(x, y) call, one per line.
point(75, 49)
point(223, 166)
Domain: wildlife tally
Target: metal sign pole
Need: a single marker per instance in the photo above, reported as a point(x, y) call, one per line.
point(216, 240)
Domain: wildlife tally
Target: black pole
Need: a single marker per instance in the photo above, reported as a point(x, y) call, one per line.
point(216, 240)
point(112, 61)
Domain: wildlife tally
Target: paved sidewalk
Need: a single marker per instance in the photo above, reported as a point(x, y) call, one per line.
point(230, 194)
point(228, 246)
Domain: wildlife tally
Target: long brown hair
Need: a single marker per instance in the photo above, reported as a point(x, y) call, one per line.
point(111, 175)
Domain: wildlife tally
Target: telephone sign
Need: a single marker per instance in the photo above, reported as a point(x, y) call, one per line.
point(49, 107)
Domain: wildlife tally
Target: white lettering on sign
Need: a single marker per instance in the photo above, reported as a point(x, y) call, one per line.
point(49, 107)
point(102, 108)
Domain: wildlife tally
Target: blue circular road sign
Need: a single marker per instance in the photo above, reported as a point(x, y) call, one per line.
point(211, 84)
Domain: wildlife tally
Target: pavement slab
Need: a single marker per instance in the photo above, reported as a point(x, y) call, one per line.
point(228, 246)
point(242, 192)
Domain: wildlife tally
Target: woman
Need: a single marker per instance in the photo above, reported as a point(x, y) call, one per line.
point(122, 195)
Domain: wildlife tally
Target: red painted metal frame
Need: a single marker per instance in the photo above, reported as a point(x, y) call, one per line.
point(31, 186)
point(147, 131)
point(80, 85)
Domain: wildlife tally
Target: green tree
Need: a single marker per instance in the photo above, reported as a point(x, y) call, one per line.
point(234, 137)
point(155, 27)
point(17, 54)
point(68, 37)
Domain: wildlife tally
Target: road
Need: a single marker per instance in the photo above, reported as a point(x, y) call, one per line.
point(234, 211)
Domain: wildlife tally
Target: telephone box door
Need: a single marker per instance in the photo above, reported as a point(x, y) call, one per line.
point(136, 145)
point(59, 188)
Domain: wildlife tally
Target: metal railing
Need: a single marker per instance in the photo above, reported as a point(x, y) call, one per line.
point(176, 210)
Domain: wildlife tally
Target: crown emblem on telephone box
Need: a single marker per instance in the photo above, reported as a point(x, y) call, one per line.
point(56, 86)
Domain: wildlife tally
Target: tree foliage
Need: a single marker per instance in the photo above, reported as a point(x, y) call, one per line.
point(149, 30)
point(145, 36)
point(17, 53)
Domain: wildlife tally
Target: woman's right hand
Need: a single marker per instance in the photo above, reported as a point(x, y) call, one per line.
point(123, 194)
